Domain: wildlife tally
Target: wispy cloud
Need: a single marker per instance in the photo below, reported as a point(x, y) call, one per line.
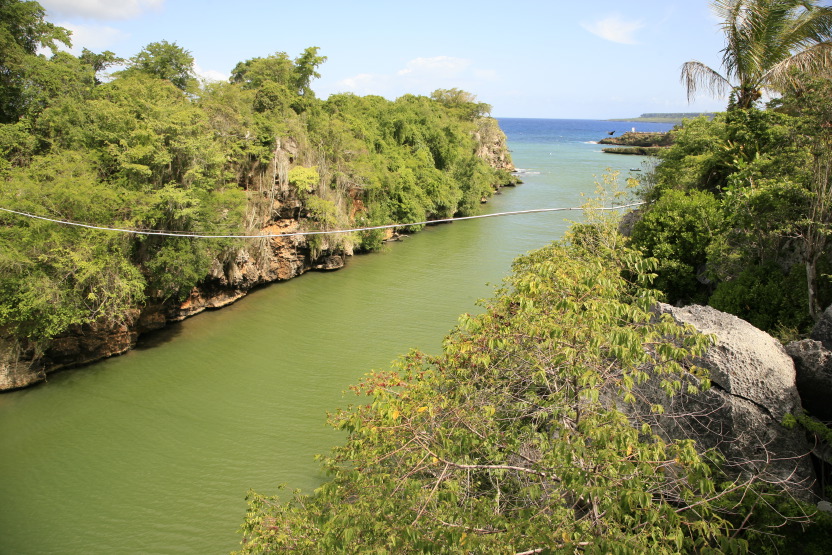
point(615, 29)
point(94, 37)
point(364, 83)
point(420, 75)
point(210, 74)
point(104, 10)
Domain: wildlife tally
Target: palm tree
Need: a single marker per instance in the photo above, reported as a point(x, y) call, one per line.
point(766, 42)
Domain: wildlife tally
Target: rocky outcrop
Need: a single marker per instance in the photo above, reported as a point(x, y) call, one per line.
point(275, 209)
point(813, 364)
point(638, 138)
point(752, 388)
point(637, 143)
point(25, 365)
point(492, 145)
point(823, 329)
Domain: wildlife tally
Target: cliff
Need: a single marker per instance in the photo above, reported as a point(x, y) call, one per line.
point(276, 205)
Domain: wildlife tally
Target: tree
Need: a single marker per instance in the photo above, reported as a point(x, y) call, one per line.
point(99, 61)
point(306, 66)
point(279, 81)
point(511, 440)
point(463, 100)
point(813, 108)
point(22, 31)
point(765, 41)
point(165, 60)
point(253, 73)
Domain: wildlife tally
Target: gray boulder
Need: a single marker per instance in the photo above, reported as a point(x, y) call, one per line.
point(752, 389)
point(813, 365)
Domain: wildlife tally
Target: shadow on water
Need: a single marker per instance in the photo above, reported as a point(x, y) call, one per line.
point(156, 338)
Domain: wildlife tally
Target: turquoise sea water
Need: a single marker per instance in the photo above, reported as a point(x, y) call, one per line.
point(153, 451)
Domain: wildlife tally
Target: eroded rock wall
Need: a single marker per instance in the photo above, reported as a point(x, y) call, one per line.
point(275, 209)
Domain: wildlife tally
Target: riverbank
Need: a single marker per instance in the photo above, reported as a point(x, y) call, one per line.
point(154, 451)
point(273, 217)
point(287, 258)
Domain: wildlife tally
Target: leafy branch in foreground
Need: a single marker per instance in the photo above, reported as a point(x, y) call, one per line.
point(510, 440)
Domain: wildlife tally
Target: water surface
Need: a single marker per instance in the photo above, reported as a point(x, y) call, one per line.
point(154, 451)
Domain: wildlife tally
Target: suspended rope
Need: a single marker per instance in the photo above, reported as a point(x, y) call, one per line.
point(303, 233)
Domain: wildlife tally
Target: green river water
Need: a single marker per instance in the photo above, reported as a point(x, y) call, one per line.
point(154, 451)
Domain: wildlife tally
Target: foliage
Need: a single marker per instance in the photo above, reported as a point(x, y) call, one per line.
point(22, 31)
point(508, 441)
point(304, 180)
point(53, 277)
point(164, 60)
point(767, 173)
point(152, 149)
point(813, 110)
point(677, 230)
point(765, 297)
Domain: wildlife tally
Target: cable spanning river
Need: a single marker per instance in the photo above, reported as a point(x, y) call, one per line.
point(154, 451)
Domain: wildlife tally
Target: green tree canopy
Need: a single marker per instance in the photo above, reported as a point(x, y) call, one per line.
point(165, 60)
point(22, 31)
point(278, 68)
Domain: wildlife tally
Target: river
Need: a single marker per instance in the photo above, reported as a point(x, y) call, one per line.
point(154, 451)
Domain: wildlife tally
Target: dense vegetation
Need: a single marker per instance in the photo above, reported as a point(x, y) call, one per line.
point(740, 214)
point(508, 442)
point(151, 148)
point(515, 439)
point(740, 206)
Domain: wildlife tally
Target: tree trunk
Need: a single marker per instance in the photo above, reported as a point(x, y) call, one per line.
point(812, 283)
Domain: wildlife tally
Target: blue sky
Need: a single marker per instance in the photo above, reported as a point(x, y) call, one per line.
point(550, 59)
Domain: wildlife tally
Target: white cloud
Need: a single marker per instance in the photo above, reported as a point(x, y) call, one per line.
point(615, 29)
point(210, 74)
point(94, 37)
point(420, 76)
point(100, 9)
point(365, 83)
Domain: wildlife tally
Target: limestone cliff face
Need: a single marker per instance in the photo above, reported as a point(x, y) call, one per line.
point(492, 145)
point(274, 208)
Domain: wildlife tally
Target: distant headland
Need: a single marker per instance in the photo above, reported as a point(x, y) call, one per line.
point(666, 118)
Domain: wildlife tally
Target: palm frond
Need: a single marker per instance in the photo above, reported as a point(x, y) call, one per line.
point(733, 14)
point(810, 27)
point(814, 60)
point(696, 75)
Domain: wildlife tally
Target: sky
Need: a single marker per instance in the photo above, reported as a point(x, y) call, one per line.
point(592, 59)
